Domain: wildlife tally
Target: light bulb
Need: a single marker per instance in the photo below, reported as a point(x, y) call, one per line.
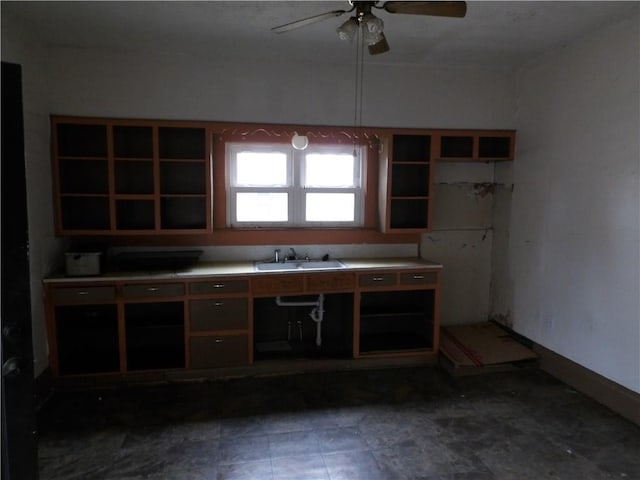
point(299, 142)
point(373, 27)
point(348, 30)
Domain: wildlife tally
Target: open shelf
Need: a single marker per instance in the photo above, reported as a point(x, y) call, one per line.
point(405, 183)
point(87, 339)
point(396, 321)
point(132, 142)
point(494, 147)
point(181, 143)
point(411, 148)
point(82, 140)
point(134, 177)
point(154, 335)
point(154, 175)
point(475, 145)
point(456, 147)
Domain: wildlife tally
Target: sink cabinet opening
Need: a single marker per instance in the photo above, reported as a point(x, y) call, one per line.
point(290, 333)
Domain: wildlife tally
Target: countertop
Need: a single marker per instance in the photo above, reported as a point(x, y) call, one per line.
point(213, 269)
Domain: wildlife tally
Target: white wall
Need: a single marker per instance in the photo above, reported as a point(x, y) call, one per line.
point(121, 84)
point(19, 46)
point(575, 227)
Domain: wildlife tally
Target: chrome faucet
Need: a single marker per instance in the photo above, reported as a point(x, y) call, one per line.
point(276, 255)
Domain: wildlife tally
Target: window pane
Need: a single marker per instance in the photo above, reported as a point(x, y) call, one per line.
point(261, 169)
point(329, 170)
point(330, 207)
point(261, 207)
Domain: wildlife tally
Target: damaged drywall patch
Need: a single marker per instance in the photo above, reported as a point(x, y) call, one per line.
point(483, 189)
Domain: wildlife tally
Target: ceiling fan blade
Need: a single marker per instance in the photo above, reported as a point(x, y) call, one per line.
point(307, 21)
point(438, 9)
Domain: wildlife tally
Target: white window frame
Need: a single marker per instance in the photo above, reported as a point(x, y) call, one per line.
point(294, 188)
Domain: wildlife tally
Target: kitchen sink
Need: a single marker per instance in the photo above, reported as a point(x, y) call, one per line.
point(298, 265)
point(321, 264)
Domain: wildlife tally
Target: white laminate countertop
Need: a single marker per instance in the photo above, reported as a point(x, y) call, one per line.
point(216, 269)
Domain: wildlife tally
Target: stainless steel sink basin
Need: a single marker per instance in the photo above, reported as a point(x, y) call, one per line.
point(298, 265)
point(321, 264)
point(268, 267)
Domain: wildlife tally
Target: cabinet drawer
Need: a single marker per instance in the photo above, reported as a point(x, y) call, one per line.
point(219, 314)
point(277, 284)
point(219, 286)
point(418, 278)
point(377, 279)
point(330, 282)
point(83, 294)
point(153, 290)
point(219, 351)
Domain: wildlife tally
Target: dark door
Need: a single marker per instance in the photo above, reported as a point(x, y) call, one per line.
point(19, 447)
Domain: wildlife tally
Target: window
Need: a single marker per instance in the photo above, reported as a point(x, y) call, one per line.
point(275, 185)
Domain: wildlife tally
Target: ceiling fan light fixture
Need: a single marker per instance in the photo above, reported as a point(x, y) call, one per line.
point(348, 30)
point(380, 47)
point(372, 28)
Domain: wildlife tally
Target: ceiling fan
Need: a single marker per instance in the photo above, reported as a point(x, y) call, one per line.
point(372, 26)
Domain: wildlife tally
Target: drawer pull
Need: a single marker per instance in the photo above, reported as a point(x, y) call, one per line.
point(377, 279)
point(218, 304)
point(218, 285)
point(82, 292)
point(418, 277)
point(219, 340)
point(152, 289)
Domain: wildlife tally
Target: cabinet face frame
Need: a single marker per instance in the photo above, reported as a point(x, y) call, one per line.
point(153, 207)
point(219, 289)
point(390, 203)
point(476, 137)
point(403, 280)
point(135, 215)
point(240, 287)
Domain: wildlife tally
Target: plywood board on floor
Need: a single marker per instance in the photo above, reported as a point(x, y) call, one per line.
point(481, 348)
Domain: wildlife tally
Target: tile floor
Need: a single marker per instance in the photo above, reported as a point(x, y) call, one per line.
point(409, 423)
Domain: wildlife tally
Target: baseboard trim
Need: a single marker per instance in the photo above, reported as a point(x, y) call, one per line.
point(620, 399)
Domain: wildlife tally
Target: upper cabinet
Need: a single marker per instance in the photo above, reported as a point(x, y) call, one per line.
point(474, 145)
point(155, 177)
point(130, 177)
point(405, 183)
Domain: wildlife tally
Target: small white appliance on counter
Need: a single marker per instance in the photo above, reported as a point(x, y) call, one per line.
point(82, 264)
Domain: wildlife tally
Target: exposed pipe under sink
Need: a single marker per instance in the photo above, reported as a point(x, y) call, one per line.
point(316, 314)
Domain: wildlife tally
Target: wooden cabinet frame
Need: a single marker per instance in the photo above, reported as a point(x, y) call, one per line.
point(378, 209)
point(141, 201)
point(121, 293)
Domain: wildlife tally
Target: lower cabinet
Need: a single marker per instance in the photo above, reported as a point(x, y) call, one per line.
point(87, 339)
point(396, 321)
point(287, 328)
point(219, 324)
point(154, 335)
point(122, 327)
point(213, 351)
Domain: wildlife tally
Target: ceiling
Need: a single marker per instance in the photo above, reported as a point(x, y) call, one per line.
point(493, 34)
